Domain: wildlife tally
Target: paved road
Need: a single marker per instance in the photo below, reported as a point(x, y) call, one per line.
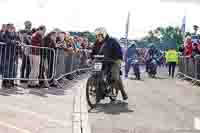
point(155, 106)
point(43, 111)
point(160, 105)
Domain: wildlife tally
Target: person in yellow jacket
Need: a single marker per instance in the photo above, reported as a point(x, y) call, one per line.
point(171, 59)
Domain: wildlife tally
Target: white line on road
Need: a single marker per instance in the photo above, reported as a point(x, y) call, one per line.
point(197, 123)
point(14, 127)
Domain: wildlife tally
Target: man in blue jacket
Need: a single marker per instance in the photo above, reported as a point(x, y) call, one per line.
point(131, 54)
point(111, 49)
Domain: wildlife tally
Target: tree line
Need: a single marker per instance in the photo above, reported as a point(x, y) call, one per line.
point(166, 37)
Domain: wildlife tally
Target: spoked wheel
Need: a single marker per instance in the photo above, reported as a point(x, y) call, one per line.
point(91, 93)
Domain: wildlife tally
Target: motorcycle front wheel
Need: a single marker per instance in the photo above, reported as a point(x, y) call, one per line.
point(91, 93)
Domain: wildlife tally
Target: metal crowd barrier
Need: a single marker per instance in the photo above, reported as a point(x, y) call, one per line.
point(190, 67)
point(69, 63)
point(24, 62)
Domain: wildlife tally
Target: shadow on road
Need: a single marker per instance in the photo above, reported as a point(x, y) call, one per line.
point(11, 91)
point(38, 92)
point(132, 78)
point(112, 108)
point(56, 91)
point(161, 78)
point(20, 90)
point(44, 91)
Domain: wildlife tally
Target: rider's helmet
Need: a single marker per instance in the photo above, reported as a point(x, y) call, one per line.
point(101, 31)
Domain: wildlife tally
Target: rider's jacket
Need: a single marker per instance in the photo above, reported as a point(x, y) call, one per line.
point(152, 53)
point(95, 49)
point(111, 49)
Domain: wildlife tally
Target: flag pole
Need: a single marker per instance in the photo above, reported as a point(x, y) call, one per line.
point(127, 29)
point(184, 24)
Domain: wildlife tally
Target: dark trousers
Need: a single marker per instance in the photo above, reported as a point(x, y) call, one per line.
point(172, 66)
point(127, 68)
point(25, 67)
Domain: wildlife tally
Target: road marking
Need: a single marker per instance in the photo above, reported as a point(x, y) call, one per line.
point(197, 123)
point(80, 122)
point(14, 127)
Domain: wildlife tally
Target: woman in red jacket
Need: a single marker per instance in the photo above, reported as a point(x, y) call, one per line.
point(188, 47)
point(34, 56)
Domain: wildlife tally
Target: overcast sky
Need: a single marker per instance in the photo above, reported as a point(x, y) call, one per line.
point(88, 14)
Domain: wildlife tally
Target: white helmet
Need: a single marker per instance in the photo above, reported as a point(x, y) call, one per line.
point(101, 30)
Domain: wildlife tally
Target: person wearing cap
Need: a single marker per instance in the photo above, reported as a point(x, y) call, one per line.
point(25, 67)
point(111, 49)
point(28, 26)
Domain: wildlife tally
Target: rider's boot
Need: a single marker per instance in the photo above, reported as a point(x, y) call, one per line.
point(138, 76)
point(99, 98)
point(98, 95)
point(101, 93)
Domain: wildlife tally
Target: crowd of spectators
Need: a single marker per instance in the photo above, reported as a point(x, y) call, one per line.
point(28, 46)
point(191, 47)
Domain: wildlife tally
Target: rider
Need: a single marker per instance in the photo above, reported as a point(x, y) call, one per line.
point(152, 53)
point(110, 48)
point(131, 54)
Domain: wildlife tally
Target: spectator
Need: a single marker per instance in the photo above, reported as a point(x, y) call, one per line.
point(77, 47)
point(84, 56)
point(77, 44)
point(2, 48)
point(70, 51)
point(27, 33)
point(35, 56)
point(85, 43)
point(61, 40)
point(46, 54)
point(2, 32)
point(26, 39)
point(181, 50)
point(188, 47)
point(69, 45)
point(196, 50)
point(9, 56)
point(28, 26)
point(33, 30)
